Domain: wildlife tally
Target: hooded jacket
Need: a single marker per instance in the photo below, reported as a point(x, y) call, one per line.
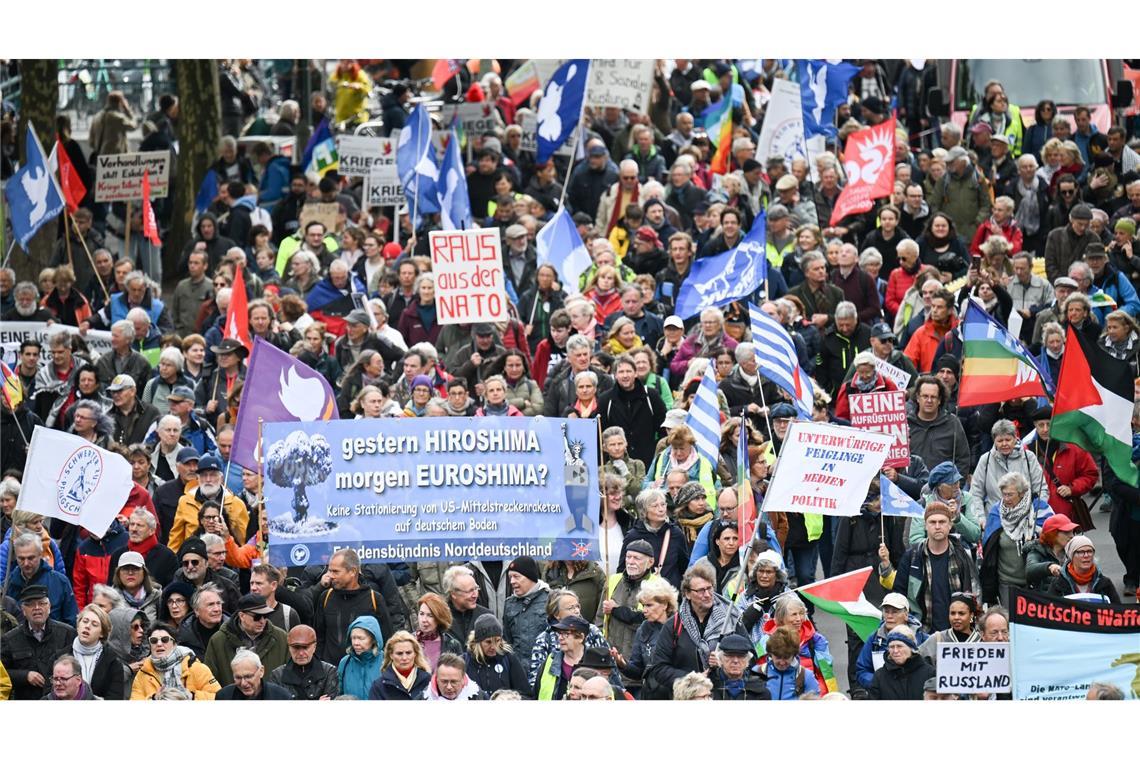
point(470, 692)
point(120, 638)
point(271, 646)
point(216, 246)
point(356, 672)
point(939, 440)
point(93, 561)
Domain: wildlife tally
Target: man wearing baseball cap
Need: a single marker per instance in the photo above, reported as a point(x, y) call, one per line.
point(896, 612)
point(883, 347)
point(131, 416)
point(167, 495)
point(210, 488)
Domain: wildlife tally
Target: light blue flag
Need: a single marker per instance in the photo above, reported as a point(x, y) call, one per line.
point(561, 107)
point(704, 417)
point(454, 203)
point(415, 162)
point(34, 197)
point(895, 502)
point(560, 245)
point(823, 86)
point(777, 360)
point(726, 277)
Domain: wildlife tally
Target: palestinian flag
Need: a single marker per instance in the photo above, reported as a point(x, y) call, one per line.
point(1094, 404)
point(842, 596)
point(995, 366)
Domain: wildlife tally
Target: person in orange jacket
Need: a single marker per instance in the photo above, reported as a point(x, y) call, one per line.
point(923, 345)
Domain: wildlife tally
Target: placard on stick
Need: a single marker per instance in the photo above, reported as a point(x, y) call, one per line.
point(884, 412)
point(325, 213)
point(118, 176)
point(468, 268)
point(973, 668)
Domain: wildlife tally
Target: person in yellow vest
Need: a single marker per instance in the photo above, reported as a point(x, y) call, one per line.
point(620, 614)
point(551, 681)
point(781, 239)
point(1003, 117)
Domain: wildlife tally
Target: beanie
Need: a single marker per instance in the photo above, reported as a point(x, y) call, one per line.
point(487, 626)
point(687, 493)
point(1075, 543)
point(526, 567)
point(938, 508)
point(192, 546)
point(903, 637)
point(641, 546)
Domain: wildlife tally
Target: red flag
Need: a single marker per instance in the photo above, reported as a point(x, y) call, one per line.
point(237, 316)
point(444, 70)
point(69, 180)
point(1132, 75)
point(869, 161)
point(150, 225)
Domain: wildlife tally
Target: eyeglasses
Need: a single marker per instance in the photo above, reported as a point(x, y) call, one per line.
point(1084, 552)
point(176, 603)
point(191, 562)
point(160, 639)
point(701, 591)
point(63, 679)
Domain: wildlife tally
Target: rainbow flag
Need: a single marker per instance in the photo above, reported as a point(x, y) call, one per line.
point(996, 366)
point(717, 122)
point(746, 512)
point(13, 389)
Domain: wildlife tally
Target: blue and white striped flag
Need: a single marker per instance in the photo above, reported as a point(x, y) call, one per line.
point(895, 502)
point(704, 417)
point(777, 360)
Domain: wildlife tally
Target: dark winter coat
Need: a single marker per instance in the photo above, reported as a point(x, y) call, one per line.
point(109, 679)
point(524, 618)
point(901, 682)
point(318, 679)
point(388, 686)
point(636, 410)
point(504, 671)
point(333, 612)
point(21, 654)
point(676, 558)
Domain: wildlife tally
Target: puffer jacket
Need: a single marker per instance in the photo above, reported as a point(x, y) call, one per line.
point(791, 683)
point(524, 618)
point(356, 672)
point(196, 679)
point(93, 561)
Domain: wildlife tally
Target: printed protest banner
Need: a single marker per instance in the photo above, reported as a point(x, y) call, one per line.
point(884, 412)
point(973, 668)
point(620, 83)
point(825, 469)
point(1061, 646)
point(432, 489)
point(468, 268)
point(14, 333)
point(356, 154)
point(529, 123)
point(118, 177)
point(382, 182)
point(899, 376)
point(472, 119)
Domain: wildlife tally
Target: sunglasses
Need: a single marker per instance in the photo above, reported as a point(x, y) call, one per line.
point(160, 639)
point(256, 615)
point(191, 562)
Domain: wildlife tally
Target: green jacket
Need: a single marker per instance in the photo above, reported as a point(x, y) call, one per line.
point(963, 199)
point(968, 525)
point(271, 646)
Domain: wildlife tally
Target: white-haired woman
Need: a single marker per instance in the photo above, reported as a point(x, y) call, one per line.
point(815, 652)
point(1121, 339)
point(658, 601)
point(168, 376)
point(670, 550)
point(304, 271)
point(1013, 525)
point(1007, 455)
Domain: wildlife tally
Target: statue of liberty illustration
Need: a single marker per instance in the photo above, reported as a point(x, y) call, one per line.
point(576, 485)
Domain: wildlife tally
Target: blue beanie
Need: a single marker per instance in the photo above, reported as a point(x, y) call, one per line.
point(902, 638)
point(943, 474)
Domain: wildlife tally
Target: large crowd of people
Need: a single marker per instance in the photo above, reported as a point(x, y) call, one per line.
point(177, 599)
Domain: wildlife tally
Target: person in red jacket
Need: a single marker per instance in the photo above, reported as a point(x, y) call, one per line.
point(93, 560)
point(1001, 222)
point(865, 380)
point(1069, 470)
point(924, 343)
point(901, 278)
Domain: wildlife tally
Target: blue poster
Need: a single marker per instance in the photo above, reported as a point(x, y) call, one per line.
point(432, 489)
point(1061, 646)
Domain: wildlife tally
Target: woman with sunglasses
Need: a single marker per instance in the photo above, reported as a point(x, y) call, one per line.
point(128, 637)
point(171, 665)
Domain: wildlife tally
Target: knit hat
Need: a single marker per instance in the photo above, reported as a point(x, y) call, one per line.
point(688, 492)
point(1075, 543)
point(943, 474)
point(526, 567)
point(863, 357)
point(421, 380)
point(175, 587)
point(950, 362)
point(641, 546)
point(903, 636)
point(938, 508)
point(770, 557)
point(1127, 225)
point(192, 546)
point(487, 626)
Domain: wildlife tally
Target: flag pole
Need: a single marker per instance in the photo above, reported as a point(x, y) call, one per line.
point(83, 242)
point(605, 528)
point(8, 255)
point(68, 223)
point(127, 231)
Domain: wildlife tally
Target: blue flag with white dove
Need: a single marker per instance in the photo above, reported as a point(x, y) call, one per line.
point(726, 277)
point(561, 107)
point(415, 162)
point(454, 203)
point(34, 197)
point(560, 245)
point(895, 502)
point(823, 86)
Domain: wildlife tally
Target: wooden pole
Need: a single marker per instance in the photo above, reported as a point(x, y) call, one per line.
point(127, 231)
point(68, 223)
point(83, 242)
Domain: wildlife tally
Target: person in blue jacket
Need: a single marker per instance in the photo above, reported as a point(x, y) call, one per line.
point(33, 570)
point(896, 612)
point(1111, 281)
point(361, 666)
point(787, 678)
point(275, 174)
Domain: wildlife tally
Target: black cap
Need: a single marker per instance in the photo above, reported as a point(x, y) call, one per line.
point(1044, 412)
point(641, 546)
point(483, 328)
point(32, 593)
point(526, 567)
point(881, 331)
point(1081, 211)
point(950, 362)
point(572, 623)
point(875, 106)
point(750, 165)
point(734, 643)
point(254, 603)
point(598, 658)
point(782, 411)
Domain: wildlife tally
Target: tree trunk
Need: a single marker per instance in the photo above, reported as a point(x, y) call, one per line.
point(39, 93)
point(199, 131)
